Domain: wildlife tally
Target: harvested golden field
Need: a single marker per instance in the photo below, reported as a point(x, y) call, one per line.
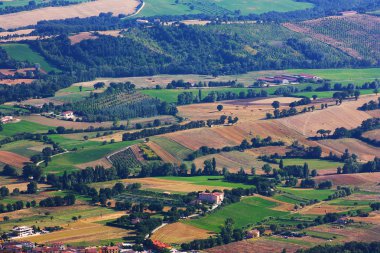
point(356, 232)
point(162, 153)
point(159, 184)
point(16, 81)
point(367, 181)
point(256, 245)
point(362, 149)
point(177, 233)
point(373, 135)
point(81, 231)
point(101, 162)
point(75, 39)
point(82, 10)
point(331, 118)
point(216, 137)
point(245, 109)
point(13, 159)
point(236, 160)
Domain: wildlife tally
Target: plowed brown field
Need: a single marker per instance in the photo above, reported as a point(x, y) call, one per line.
point(13, 159)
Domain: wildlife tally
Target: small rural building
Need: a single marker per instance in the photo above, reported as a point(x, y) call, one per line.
point(309, 77)
point(67, 114)
point(348, 13)
point(22, 231)
point(211, 197)
point(109, 249)
point(6, 119)
point(253, 234)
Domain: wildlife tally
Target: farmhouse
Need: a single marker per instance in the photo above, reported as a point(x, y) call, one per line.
point(67, 114)
point(214, 197)
point(6, 119)
point(22, 231)
point(253, 234)
point(287, 78)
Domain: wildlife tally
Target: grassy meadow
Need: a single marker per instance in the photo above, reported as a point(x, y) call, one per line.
point(23, 127)
point(186, 7)
point(22, 52)
point(207, 181)
point(87, 151)
point(249, 210)
point(317, 164)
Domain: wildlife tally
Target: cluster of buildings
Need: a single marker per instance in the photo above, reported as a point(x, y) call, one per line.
point(29, 247)
point(288, 79)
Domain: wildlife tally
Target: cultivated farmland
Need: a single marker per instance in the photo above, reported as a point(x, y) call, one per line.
point(373, 135)
point(249, 210)
point(357, 35)
point(82, 10)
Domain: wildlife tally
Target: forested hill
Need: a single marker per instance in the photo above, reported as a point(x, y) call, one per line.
point(220, 49)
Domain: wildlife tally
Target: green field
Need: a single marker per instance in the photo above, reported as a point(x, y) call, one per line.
point(174, 148)
point(22, 52)
point(208, 181)
point(171, 96)
point(24, 147)
point(356, 76)
point(60, 217)
point(257, 7)
point(328, 94)
point(23, 127)
point(88, 152)
point(19, 3)
point(313, 163)
point(249, 210)
point(308, 193)
point(219, 7)
point(164, 7)
point(7, 109)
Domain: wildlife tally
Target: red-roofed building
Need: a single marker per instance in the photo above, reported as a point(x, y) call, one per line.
point(211, 197)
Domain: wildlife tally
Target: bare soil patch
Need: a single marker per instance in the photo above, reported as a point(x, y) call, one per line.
point(82, 10)
point(13, 159)
point(177, 233)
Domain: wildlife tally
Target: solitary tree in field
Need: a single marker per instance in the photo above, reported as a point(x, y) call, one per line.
point(356, 94)
point(80, 88)
point(267, 168)
point(276, 104)
point(219, 107)
point(315, 97)
point(85, 137)
point(376, 91)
